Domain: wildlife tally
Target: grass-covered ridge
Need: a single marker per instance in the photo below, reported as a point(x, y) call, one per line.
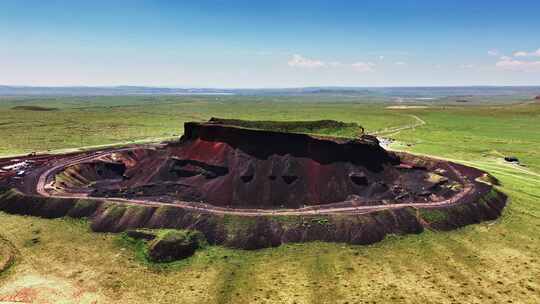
point(144, 242)
point(312, 126)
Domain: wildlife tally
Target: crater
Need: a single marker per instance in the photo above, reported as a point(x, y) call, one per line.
point(232, 164)
point(247, 187)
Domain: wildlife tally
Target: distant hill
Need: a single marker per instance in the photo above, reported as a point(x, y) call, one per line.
point(391, 92)
point(101, 91)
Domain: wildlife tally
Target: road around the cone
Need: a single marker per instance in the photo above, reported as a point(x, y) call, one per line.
point(44, 177)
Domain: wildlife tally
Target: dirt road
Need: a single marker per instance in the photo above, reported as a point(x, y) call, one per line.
point(45, 177)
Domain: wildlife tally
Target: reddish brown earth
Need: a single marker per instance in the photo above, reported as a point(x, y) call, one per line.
point(250, 188)
point(232, 167)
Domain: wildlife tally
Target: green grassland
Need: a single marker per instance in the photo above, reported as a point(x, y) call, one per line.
point(495, 262)
point(107, 120)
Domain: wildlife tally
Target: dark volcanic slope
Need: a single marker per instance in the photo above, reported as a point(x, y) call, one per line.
point(236, 167)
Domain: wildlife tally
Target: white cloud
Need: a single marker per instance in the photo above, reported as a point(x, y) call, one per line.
point(381, 57)
point(302, 62)
point(511, 64)
point(466, 66)
point(527, 54)
point(493, 52)
point(400, 63)
point(363, 66)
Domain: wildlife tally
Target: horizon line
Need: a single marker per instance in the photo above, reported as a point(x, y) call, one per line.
point(264, 88)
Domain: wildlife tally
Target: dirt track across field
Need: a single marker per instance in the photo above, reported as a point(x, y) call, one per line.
point(419, 122)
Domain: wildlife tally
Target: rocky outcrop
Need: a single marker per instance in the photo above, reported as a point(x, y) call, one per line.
point(262, 144)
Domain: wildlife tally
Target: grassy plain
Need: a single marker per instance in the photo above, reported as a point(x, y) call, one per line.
point(497, 262)
point(94, 121)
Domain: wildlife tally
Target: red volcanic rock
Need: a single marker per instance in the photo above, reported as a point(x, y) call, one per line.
point(235, 167)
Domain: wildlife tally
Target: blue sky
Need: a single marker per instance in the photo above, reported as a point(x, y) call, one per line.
point(269, 43)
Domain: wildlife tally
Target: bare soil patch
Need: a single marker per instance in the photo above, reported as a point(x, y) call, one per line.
point(46, 289)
